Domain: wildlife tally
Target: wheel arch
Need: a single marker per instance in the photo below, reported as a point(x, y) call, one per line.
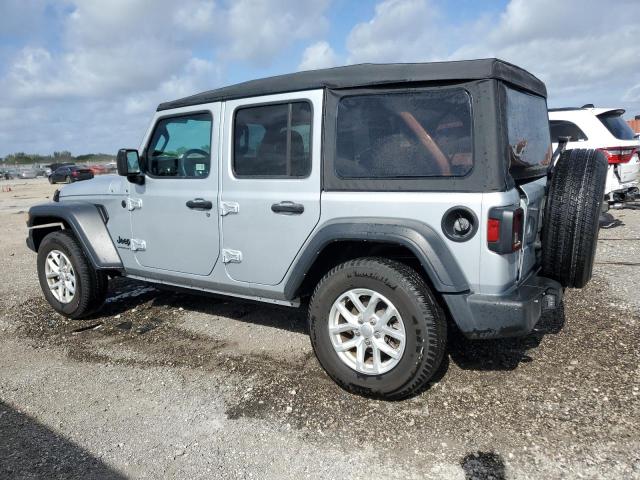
point(87, 222)
point(356, 237)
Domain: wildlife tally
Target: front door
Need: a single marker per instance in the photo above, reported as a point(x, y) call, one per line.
point(174, 215)
point(270, 199)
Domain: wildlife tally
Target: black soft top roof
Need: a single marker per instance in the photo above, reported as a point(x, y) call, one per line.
point(367, 75)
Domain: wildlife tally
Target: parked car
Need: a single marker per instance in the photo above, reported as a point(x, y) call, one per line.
point(28, 174)
point(10, 174)
point(55, 166)
point(97, 169)
point(604, 129)
point(70, 173)
point(387, 197)
point(111, 167)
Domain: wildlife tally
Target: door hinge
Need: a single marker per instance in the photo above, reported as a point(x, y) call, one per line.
point(229, 207)
point(231, 256)
point(138, 245)
point(133, 203)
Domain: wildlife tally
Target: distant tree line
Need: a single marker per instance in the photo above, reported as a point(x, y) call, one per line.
point(22, 158)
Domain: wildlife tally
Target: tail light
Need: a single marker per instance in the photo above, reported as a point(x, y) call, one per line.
point(504, 229)
point(618, 154)
point(74, 173)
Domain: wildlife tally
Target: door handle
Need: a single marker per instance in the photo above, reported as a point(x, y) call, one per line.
point(199, 204)
point(287, 207)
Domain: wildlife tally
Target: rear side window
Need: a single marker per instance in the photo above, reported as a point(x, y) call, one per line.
point(272, 141)
point(616, 125)
point(528, 132)
point(403, 135)
point(563, 128)
point(181, 147)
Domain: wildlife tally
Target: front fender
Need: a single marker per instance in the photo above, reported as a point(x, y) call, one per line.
point(87, 223)
point(425, 242)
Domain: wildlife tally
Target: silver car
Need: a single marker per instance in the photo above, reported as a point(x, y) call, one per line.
point(386, 199)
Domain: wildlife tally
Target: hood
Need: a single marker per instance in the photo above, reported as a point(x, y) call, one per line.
point(100, 185)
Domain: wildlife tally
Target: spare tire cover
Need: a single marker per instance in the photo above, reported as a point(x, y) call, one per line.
point(571, 218)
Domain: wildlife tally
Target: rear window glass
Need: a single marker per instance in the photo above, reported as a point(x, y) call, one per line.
point(563, 128)
point(617, 126)
point(400, 135)
point(529, 137)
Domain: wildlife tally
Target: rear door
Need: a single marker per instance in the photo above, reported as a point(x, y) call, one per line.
point(270, 199)
point(174, 215)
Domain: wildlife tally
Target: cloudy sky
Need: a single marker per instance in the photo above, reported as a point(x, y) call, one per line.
point(86, 75)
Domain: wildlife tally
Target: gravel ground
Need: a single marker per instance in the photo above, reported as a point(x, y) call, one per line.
point(161, 384)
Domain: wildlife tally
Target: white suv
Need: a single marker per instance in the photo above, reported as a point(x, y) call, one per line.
point(606, 130)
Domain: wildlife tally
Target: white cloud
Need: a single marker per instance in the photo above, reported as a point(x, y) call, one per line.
point(318, 55)
point(585, 50)
point(400, 31)
point(86, 74)
point(257, 30)
point(111, 63)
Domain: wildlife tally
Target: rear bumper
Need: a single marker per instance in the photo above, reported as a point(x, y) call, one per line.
point(512, 314)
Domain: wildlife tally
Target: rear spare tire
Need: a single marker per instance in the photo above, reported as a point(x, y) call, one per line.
point(570, 230)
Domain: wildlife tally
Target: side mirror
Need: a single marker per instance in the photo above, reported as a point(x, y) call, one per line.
point(128, 163)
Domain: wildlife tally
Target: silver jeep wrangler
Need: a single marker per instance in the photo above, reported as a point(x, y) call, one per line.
point(396, 201)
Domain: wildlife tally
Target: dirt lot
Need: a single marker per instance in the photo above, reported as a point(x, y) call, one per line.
point(172, 385)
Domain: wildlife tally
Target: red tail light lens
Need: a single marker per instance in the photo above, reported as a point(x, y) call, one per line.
point(74, 173)
point(618, 154)
point(516, 231)
point(493, 230)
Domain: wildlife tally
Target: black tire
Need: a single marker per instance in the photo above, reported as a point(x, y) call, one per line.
point(51, 180)
point(424, 323)
point(91, 285)
point(571, 220)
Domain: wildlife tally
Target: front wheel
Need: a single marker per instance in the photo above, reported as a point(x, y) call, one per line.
point(68, 280)
point(376, 328)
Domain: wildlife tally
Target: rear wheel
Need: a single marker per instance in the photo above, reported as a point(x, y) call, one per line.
point(376, 328)
point(68, 280)
point(571, 221)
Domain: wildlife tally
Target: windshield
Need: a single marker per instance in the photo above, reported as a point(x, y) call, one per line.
point(529, 138)
point(616, 125)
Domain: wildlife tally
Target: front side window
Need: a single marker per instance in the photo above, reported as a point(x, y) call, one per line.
point(563, 128)
point(273, 141)
point(404, 135)
point(180, 147)
point(529, 147)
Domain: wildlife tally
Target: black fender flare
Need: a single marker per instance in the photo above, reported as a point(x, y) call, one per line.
point(88, 224)
point(424, 241)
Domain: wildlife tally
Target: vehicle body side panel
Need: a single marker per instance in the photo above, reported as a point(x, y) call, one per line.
point(425, 242)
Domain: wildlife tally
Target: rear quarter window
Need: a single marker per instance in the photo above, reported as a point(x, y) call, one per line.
point(404, 135)
point(616, 125)
point(529, 137)
point(564, 128)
